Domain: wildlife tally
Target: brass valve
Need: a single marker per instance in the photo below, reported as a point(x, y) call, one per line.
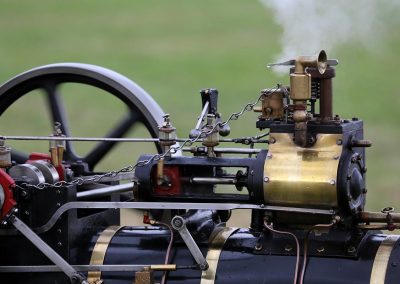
point(167, 134)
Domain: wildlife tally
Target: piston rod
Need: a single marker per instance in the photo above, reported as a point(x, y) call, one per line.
point(104, 191)
point(213, 180)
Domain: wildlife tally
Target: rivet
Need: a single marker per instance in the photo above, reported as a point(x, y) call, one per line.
point(266, 179)
point(332, 182)
point(258, 247)
point(336, 157)
point(339, 142)
point(272, 140)
point(320, 249)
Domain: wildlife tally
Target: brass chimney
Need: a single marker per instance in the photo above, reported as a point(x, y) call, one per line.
point(300, 92)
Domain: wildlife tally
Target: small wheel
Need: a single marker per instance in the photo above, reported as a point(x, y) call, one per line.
point(141, 108)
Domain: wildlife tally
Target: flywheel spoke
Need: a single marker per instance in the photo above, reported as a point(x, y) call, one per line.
point(58, 114)
point(102, 148)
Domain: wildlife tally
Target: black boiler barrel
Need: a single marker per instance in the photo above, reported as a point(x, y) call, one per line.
point(238, 262)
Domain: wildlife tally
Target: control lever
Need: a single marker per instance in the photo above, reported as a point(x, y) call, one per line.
point(209, 103)
point(179, 224)
point(73, 275)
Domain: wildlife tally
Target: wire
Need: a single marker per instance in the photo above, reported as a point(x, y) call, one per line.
point(305, 252)
point(168, 253)
point(297, 248)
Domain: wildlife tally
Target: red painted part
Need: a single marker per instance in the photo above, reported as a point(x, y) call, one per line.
point(42, 156)
point(8, 184)
point(60, 171)
point(146, 218)
point(174, 175)
point(38, 156)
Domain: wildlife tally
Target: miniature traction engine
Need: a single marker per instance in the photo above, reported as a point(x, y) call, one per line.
point(302, 178)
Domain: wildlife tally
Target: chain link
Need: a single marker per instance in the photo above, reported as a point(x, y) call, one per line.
point(172, 150)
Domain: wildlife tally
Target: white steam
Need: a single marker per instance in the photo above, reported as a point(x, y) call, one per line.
point(312, 25)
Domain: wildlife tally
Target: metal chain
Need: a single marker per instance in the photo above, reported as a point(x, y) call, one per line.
point(156, 157)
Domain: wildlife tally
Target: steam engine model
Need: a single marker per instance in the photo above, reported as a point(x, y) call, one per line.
point(304, 185)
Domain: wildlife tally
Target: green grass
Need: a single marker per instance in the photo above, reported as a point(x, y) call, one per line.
point(175, 48)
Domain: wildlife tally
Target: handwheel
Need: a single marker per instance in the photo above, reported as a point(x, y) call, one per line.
point(141, 108)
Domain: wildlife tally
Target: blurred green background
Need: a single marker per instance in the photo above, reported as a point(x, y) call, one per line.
point(175, 48)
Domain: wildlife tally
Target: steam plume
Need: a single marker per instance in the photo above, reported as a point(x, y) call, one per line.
point(312, 25)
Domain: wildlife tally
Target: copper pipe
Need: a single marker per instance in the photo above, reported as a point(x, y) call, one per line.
point(325, 102)
point(378, 217)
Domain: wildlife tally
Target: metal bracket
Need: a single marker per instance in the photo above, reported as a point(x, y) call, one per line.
point(179, 224)
point(64, 266)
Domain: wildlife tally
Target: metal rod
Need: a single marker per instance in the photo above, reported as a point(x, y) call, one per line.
point(179, 224)
point(45, 248)
point(99, 139)
point(203, 113)
point(379, 217)
point(222, 150)
point(213, 180)
point(171, 205)
point(86, 139)
point(103, 191)
point(84, 268)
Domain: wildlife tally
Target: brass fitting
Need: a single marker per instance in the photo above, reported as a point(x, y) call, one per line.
point(300, 81)
point(160, 171)
point(319, 61)
point(167, 134)
point(57, 147)
point(5, 155)
point(212, 139)
point(300, 91)
point(272, 104)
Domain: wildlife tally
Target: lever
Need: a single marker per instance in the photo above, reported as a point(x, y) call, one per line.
point(179, 224)
point(73, 275)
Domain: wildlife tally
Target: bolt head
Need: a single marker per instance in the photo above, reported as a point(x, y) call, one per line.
point(177, 222)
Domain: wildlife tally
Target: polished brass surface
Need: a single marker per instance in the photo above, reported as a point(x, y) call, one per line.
point(319, 61)
point(272, 106)
point(216, 245)
point(381, 260)
point(163, 267)
point(99, 251)
point(305, 177)
point(300, 86)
